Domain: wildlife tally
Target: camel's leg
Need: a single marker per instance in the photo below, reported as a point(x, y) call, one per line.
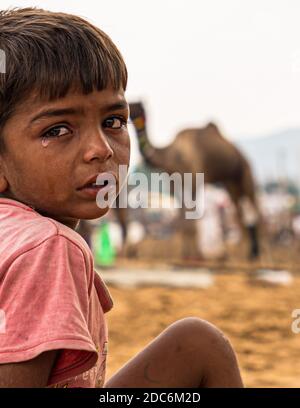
point(188, 231)
point(122, 215)
point(253, 235)
point(251, 226)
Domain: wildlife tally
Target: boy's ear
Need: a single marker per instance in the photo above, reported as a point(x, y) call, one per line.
point(3, 181)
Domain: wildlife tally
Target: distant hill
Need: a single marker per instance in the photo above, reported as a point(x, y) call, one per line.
point(274, 156)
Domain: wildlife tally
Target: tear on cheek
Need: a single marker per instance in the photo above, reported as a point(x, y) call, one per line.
point(45, 141)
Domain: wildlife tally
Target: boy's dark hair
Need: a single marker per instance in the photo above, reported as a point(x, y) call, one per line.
point(50, 52)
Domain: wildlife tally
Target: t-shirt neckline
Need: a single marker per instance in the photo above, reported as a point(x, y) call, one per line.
point(16, 203)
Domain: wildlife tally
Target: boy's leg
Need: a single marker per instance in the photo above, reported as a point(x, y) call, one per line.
point(189, 353)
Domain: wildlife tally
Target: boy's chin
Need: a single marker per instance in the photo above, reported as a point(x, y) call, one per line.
point(93, 213)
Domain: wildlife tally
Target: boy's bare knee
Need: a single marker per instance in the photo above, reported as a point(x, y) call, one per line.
point(194, 333)
point(194, 326)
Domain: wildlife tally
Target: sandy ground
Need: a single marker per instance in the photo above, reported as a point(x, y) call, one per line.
point(257, 319)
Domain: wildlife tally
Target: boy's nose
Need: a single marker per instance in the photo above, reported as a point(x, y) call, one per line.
point(97, 147)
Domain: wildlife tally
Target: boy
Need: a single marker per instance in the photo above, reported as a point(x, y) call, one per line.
point(63, 121)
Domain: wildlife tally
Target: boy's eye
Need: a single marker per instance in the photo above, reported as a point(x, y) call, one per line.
point(56, 131)
point(115, 122)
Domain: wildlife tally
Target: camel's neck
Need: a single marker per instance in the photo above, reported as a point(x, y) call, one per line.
point(144, 143)
point(152, 155)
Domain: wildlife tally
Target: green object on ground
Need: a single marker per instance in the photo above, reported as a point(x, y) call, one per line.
point(104, 252)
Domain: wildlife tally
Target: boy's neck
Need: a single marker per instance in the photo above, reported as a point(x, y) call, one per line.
point(71, 223)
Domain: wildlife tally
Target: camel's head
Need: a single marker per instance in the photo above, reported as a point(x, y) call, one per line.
point(212, 129)
point(136, 110)
point(212, 126)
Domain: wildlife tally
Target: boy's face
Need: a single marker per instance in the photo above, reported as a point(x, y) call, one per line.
point(53, 148)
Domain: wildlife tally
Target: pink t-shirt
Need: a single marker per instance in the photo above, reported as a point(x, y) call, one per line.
point(50, 297)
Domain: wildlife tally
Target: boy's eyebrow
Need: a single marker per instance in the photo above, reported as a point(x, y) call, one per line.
point(71, 111)
point(55, 112)
point(116, 106)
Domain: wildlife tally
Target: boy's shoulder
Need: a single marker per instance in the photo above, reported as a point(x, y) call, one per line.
point(22, 228)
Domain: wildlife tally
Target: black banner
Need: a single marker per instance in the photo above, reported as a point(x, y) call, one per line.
point(88, 398)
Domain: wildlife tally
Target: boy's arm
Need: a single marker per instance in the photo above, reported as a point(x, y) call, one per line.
point(32, 373)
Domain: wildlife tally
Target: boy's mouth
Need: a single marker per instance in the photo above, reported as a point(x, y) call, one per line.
point(95, 185)
point(105, 182)
point(97, 181)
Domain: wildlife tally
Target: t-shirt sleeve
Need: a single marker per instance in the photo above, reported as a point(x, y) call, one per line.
point(44, 302)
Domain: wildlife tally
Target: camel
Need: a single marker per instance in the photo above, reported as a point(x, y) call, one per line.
point(203, 150)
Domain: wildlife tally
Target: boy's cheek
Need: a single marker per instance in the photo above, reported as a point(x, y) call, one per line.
point(123, 155)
